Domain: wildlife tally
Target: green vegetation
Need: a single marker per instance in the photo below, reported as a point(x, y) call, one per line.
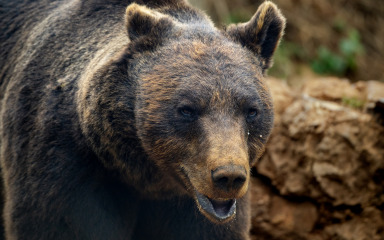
point(353, 102)
point(284, 59)
point(238, 16)
point(341, 62)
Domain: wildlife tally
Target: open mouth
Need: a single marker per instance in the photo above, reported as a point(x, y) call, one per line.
point(220, 210)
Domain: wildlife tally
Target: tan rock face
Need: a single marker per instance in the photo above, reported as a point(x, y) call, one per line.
point(331, 88)
point(322, 176)
point(299, 217)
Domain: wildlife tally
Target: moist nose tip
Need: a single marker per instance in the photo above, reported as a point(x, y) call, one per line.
point(229, 177)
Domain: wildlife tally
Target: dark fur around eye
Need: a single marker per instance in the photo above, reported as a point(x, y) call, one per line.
point(187, 112)
point(252, 114)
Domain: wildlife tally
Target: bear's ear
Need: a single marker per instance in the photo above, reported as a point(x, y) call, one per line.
point(146, 24)
point(262, 33)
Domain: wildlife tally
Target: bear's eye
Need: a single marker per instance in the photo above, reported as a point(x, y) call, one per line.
point(187, 112)
point(251, 114)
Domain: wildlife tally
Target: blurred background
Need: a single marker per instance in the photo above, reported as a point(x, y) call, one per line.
point(322, 175)
point(344, 38)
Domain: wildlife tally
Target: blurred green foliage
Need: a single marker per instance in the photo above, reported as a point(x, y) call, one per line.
point(238, 16)
point(341, 62)
point(284, 59)
point(353, 102)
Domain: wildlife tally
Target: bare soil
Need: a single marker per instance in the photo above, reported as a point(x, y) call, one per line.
point(322, 176)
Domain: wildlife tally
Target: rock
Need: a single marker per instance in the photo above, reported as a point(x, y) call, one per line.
point(331, 88)
point(374, 94)
point(283, 96)
point(367, 226)
point(374, 90)
point(322, 176)
point(298, 217)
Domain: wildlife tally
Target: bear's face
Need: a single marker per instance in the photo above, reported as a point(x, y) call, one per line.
point(204, 115)
point(202, 110)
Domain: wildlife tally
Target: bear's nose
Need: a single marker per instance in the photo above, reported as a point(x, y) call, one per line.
point(229, 178)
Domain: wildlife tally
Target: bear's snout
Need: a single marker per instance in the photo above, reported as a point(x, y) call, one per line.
point(229, 178)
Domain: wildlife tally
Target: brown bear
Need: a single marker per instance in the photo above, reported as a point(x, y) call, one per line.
point(143, 127)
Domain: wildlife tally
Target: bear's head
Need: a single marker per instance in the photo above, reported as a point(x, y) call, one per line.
point(202, 111)
point(202, 108)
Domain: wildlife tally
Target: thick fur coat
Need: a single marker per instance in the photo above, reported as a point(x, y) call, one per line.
point(122, 120)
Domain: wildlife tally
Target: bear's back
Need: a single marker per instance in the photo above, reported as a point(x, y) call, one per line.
point(55, 38)
point(58, 38)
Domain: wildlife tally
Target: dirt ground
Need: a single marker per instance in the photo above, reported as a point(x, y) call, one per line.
point(322, 176)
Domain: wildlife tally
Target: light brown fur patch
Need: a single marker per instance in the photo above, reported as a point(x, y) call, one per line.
point(198, 49)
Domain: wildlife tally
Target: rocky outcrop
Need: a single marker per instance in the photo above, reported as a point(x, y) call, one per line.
point(322, 176)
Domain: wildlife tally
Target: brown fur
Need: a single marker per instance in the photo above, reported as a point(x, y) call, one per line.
point(110, 128)
point(267, 20)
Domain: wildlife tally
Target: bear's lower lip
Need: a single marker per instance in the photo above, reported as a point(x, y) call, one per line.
point(219, 209)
